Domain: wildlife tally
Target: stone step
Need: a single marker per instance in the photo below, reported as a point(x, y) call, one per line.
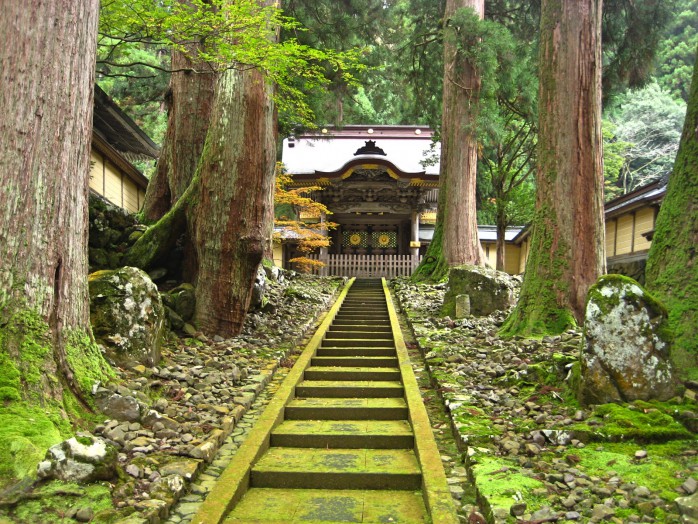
point(385, 329)
point(352, 434)
point(359, 342)
point(363, 315)
point(356, 351)
point(379, 362)
point(364, 309)
point(349, 389)
point(364, 335)
point(346, 409)
point(343, 373)
point(312, 468)
point(310, 505)
point(384, 322)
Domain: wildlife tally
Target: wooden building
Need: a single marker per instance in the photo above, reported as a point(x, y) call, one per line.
point(381, 185)
point(117, 141)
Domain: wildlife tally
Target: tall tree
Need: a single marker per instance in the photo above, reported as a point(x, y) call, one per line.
point(672, 266)
point(567, 245)
point(216, 184)
point(47, 355)
point(189, 101)
point(455, 239)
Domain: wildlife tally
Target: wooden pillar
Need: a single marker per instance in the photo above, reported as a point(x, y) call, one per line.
point(414, 244)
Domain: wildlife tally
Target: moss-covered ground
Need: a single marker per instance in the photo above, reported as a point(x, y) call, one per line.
point(501, 392)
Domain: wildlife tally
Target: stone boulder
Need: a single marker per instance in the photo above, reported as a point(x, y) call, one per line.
point(117, 406)
point(259, 289)
point(489, 290)
point(127, 315)
point(625, 353)
point(184, 301)
point(83, 459)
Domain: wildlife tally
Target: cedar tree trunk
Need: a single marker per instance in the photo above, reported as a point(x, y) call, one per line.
point(47, 353)
point(672, 265)
point(567, 246)
point(227, 207)
point(231, 221)
point(189, 101)
point(456, 222)
point(501, 234)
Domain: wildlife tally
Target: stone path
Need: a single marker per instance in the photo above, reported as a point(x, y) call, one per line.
point(352, 444)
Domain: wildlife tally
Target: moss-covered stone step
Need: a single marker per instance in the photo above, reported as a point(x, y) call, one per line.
point(346, 409)
point(312, 468)
point(351, 351)
point(349, 342)
point(347, 434)
point(350, 334)
point(310, 506)
point(384, 329)
point(361, 322)
point(362, 315)
point(349, 389)
point(380, 362)
point(342, 373)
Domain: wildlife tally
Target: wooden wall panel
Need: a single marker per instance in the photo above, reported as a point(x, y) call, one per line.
point(644, 222)
point(624, 235)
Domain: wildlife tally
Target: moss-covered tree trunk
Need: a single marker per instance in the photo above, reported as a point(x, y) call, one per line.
point(456, 218)
point(672, 264)
point(567, 246)
point(226, 208)
point(189, 100)
point(231, 221)
point(46, 346)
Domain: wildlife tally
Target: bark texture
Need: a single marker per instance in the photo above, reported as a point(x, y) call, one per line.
point(230, 224)
point(46, 99)
point(189, 100)
point(461, 93)
point(567, 247)
point(456, 217)
point(672, 268)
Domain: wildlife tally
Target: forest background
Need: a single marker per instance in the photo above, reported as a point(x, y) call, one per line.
point(400, 43)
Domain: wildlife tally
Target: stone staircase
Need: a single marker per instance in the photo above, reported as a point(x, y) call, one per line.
point(344, 451)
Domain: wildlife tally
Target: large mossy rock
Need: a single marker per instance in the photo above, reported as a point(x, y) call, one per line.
point(127, 315)
point(489, 290)
point(84, 458)
point(625, 353)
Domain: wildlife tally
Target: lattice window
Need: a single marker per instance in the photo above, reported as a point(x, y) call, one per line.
point(355, 239)
point(384, 239)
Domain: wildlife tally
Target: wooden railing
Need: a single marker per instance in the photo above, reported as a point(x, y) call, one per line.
point(387, 266)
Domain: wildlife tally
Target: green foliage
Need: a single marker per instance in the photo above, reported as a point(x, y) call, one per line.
point(614, 161)
point(646, 131)
point(138, 89)
point(676, 54)
point(631, 32)
point(238, 34)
